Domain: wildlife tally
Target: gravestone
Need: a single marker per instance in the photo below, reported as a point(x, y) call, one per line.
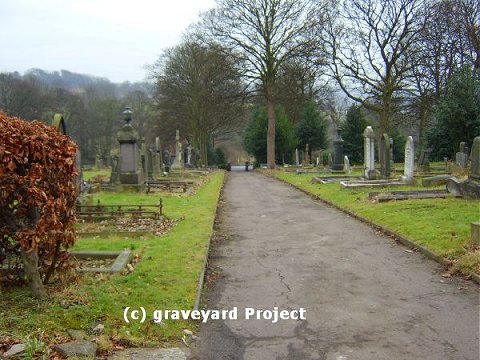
point(297, 159)
point(346, 165)
point(475, 158)
point(470, 188)
point(115, 163)
point(189, 155)
point(150, 160)
point(369, 153)
point(461, 157)
point(409, 165)
point(98, 162)
point(59, 123)
point(330, 160)
point(306, 157)
point(157, 159)
point(392, 163)
point(384, 156)
point(338, 154)
point(424, 160)
point(178, 162)
point(130, 161)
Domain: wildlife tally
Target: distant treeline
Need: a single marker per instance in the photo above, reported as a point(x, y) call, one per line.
point(92, 106)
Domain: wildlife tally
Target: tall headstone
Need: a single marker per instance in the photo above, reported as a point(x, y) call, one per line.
point(338, 154)
point(346, 165)
point(461, 157)
point(369, 153)
point(384, 156)
point(178, 162)
point(115, 163)
point(392, 163)
point(157, 159)
point(409, 165)
point(59, 123)
point(307, 156)
point(189, 155)
point(130, 161)
point(297, 159)
point(475, 158)
point(424, 160)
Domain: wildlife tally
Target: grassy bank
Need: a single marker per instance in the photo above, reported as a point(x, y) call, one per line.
point(165, 277)
point(441, 225)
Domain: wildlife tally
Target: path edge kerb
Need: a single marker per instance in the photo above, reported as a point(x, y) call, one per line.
point(198, 297)
point(386, 231)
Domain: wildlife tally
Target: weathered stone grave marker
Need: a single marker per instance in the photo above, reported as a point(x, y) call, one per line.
point(469, 188)
point(424, 160)
point(384, 152)
point(338, 154)
point(130, 161)
point(178, 162)
point(461, 157)
point(346, 165)
point(369, 153)
point(409, 165)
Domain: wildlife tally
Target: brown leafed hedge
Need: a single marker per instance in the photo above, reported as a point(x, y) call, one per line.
point(37, 190)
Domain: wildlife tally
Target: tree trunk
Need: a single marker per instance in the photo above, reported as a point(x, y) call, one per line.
point(271, 131)
point(30, 265)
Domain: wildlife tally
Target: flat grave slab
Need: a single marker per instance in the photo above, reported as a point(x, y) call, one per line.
point(406, 195)
point(333, 179)
point(370, 183)
point(121, 259)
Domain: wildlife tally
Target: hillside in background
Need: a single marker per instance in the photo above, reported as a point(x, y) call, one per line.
point(78, 83)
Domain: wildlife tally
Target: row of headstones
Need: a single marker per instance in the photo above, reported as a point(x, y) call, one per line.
point(462, 157)
point(386, 156)
point(151, 162)
point(137, 163)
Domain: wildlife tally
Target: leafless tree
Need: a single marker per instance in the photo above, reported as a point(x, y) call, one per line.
point(263, 35)
point(450, 40)
point(199, 90)
point(297, 83)
point(371, 42)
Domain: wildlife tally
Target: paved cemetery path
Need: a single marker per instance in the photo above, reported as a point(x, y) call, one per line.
point(365, 297)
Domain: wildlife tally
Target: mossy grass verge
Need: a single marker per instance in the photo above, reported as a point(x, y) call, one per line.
point(440, 225)
point(166, 277)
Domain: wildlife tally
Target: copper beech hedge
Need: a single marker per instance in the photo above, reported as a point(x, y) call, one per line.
point(37, 194)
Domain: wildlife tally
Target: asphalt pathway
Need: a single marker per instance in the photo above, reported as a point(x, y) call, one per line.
point(364, 296)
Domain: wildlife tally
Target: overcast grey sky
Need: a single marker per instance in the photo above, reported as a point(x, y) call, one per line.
point(107, 38)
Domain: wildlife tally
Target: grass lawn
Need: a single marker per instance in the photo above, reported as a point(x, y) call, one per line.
point(103, 174)
point(166, 277)
point(441, 225)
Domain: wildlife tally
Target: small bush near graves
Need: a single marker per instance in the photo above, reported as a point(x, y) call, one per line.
point(37, 196)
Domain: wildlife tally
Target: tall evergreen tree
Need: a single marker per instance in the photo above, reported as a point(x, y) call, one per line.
point(352, 133)
point(312, 129)
point(255, 140)
point(457, 115)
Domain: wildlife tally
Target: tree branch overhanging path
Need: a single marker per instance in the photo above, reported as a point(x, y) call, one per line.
point(263, 35)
